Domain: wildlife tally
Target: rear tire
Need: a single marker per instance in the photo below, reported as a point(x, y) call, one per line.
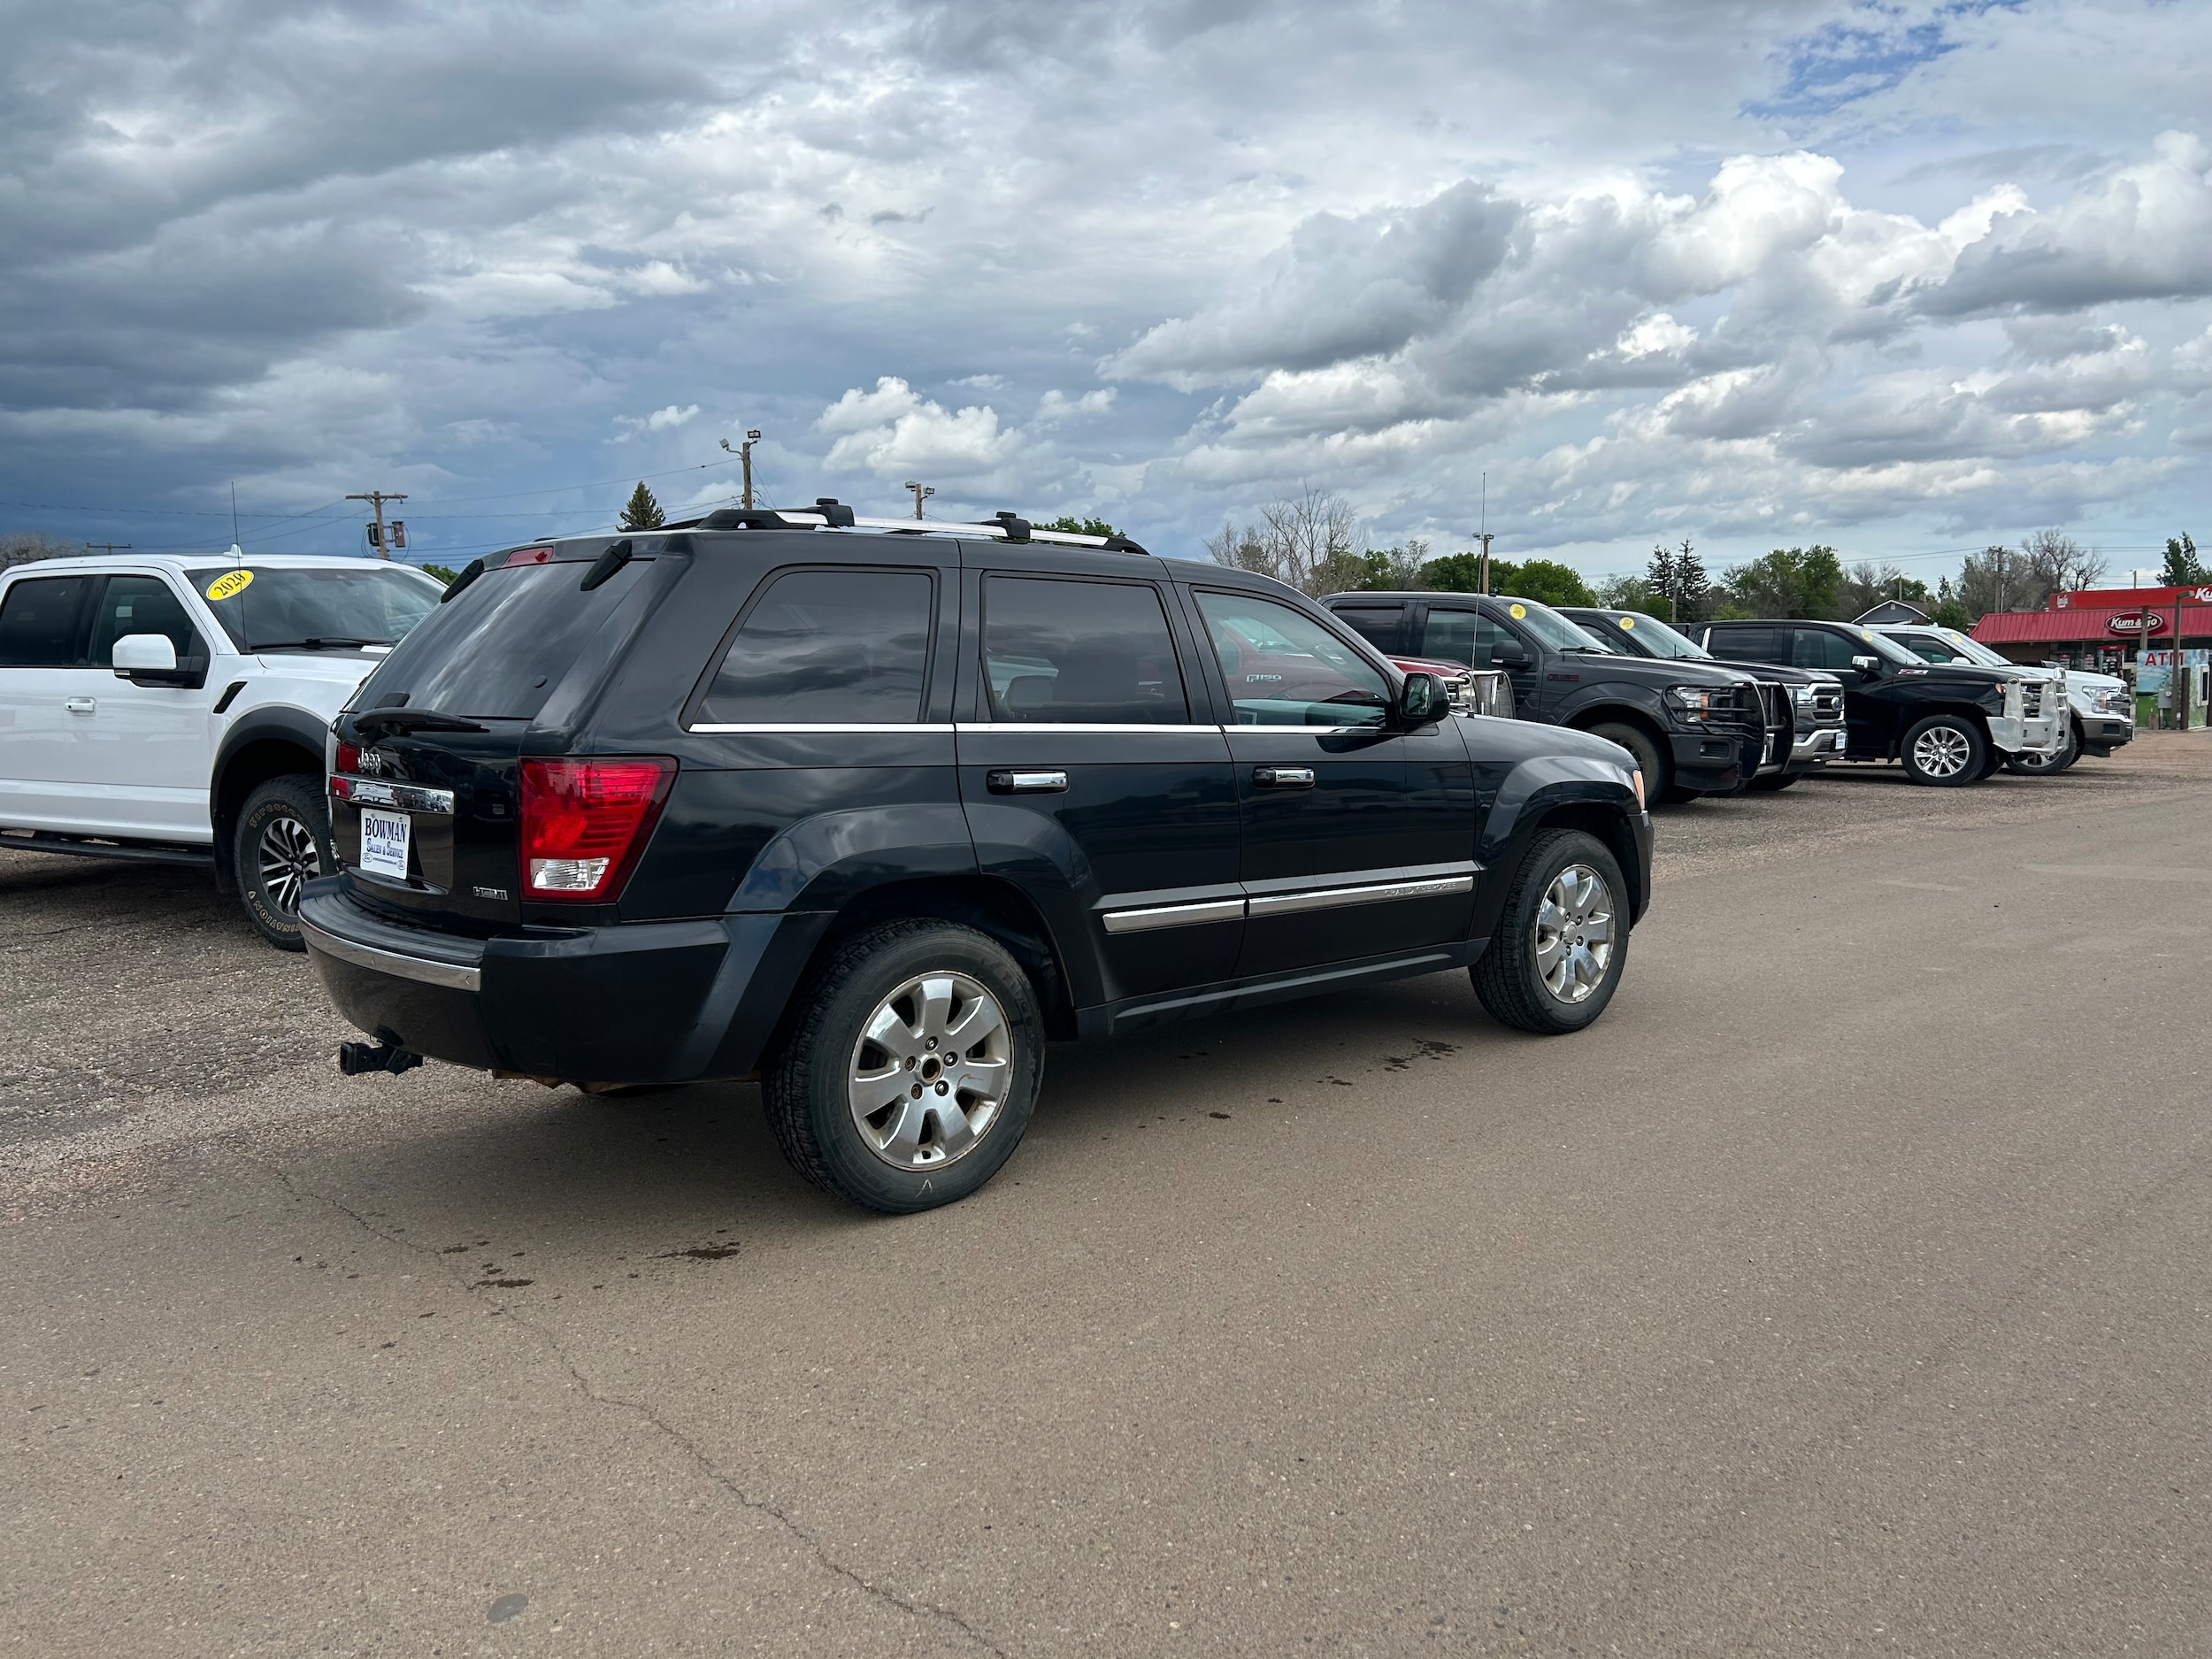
point(1546, 927)
point(282, 842)
point(1943, 751)
point(910, 1069)
point(1658, 774)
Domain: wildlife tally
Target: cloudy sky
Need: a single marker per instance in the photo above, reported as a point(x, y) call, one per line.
point(1903, 278)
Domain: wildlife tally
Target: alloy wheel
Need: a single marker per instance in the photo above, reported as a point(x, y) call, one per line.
point(288, 860)
point(1574, 934)
point(1941, 751)
point(930, 1071)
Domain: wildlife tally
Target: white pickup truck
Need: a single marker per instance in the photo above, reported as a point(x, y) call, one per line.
point(174, 709)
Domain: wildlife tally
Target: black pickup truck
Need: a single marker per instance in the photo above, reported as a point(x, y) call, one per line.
point(1694, 727)
point(1815, 695)
point(871, 810)
point(1949, 724)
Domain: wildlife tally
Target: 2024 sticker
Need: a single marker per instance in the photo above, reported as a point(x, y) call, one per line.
point(228, 583)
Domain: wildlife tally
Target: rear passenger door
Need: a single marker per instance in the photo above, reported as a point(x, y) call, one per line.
point(41, 672)
point(1094, 775)
point(1358, 836)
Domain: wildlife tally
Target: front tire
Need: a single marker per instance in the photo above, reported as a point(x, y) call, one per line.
point(1943, 751)
point(911, 1069)
point(1562, 941)
point(2048, 766)
point(1658, 772)
point(281, 843)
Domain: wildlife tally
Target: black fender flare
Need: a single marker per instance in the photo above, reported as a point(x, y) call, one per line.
point(1588, 788)
point(279, 723)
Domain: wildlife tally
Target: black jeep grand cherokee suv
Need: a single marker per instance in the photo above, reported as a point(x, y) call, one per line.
point(873, 815)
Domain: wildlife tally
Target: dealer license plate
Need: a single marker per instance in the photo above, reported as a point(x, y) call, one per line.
point(384, 843)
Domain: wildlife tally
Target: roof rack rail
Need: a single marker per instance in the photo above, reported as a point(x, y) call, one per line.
point(829, 513)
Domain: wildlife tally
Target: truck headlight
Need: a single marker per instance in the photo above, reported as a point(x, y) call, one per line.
point(1703, 702)
point(1801, 696)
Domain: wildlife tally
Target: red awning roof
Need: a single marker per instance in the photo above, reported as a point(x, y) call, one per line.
point(2084, 622)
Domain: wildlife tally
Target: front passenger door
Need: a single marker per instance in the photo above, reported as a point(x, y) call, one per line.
point(149, 747)
point(1358, 836)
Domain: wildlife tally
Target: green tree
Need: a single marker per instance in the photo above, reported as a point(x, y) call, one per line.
point(1460, 573)
point(1629, 593)
point(2184, 569)
point(1070, 525)
point(1788, 583)
point(1950, 610)
point(1545, 581)
point(1692, 588)
point(642, 511)
point(443, 574)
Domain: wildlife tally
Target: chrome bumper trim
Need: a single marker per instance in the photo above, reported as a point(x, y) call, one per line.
point(451, 975)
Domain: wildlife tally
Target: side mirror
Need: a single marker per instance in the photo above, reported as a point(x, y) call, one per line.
point(1508, 654)
point(1422, 700)
point(150, 659)
point(1867, 664)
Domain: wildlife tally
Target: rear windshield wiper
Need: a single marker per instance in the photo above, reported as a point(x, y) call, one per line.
point(413, 720)
point(326, 642)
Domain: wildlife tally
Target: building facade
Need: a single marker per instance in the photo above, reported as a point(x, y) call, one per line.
point(2100, 628)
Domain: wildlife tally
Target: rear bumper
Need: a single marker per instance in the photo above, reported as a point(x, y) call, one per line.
point(636, 1002)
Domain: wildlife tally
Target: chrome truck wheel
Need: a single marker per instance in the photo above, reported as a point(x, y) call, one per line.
point(909, 1065)
point(1574, 934)
point(930, 1072)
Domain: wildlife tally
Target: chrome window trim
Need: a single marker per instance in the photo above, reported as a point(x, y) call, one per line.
point(784, 728)
point(408, 797)
point(974, 727)
point(1157, 916)
point(1377, 893)
point(451, 975)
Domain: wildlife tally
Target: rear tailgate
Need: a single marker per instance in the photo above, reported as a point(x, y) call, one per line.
point(429, 755)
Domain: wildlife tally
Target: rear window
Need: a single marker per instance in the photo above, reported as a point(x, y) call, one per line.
point(498, 650)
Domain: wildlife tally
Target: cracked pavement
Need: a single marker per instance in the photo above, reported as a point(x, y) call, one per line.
point(1844, 1290)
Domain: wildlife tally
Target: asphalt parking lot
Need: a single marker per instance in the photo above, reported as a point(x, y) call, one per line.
point(1845, 1291)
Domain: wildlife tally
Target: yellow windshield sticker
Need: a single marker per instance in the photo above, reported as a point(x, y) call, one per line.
point(1867, 634)
point(1517, 612)
point(1628, 622)
point(228, 583)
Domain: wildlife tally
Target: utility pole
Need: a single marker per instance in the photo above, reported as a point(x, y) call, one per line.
point(744, 452)
point(1483, 535)
point(105, 547)
point(922, 493)
point(376, 498)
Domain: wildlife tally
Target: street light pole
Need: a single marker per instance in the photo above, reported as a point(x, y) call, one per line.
point(744, 452)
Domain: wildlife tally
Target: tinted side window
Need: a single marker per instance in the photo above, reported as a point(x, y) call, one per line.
point(38, 622)
point(1816, 648)
point(1743, 644)
point(141, 604)
point(1283, 668)
point(1458, 636)
point(828, 647)
point(1079, 652)
point(1382, 626)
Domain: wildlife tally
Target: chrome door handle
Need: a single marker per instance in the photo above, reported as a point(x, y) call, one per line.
point(1283, 777)
point(1026, 781)
point(81, 706)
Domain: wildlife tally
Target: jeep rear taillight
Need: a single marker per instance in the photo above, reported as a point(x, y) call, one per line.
point(584, 823)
